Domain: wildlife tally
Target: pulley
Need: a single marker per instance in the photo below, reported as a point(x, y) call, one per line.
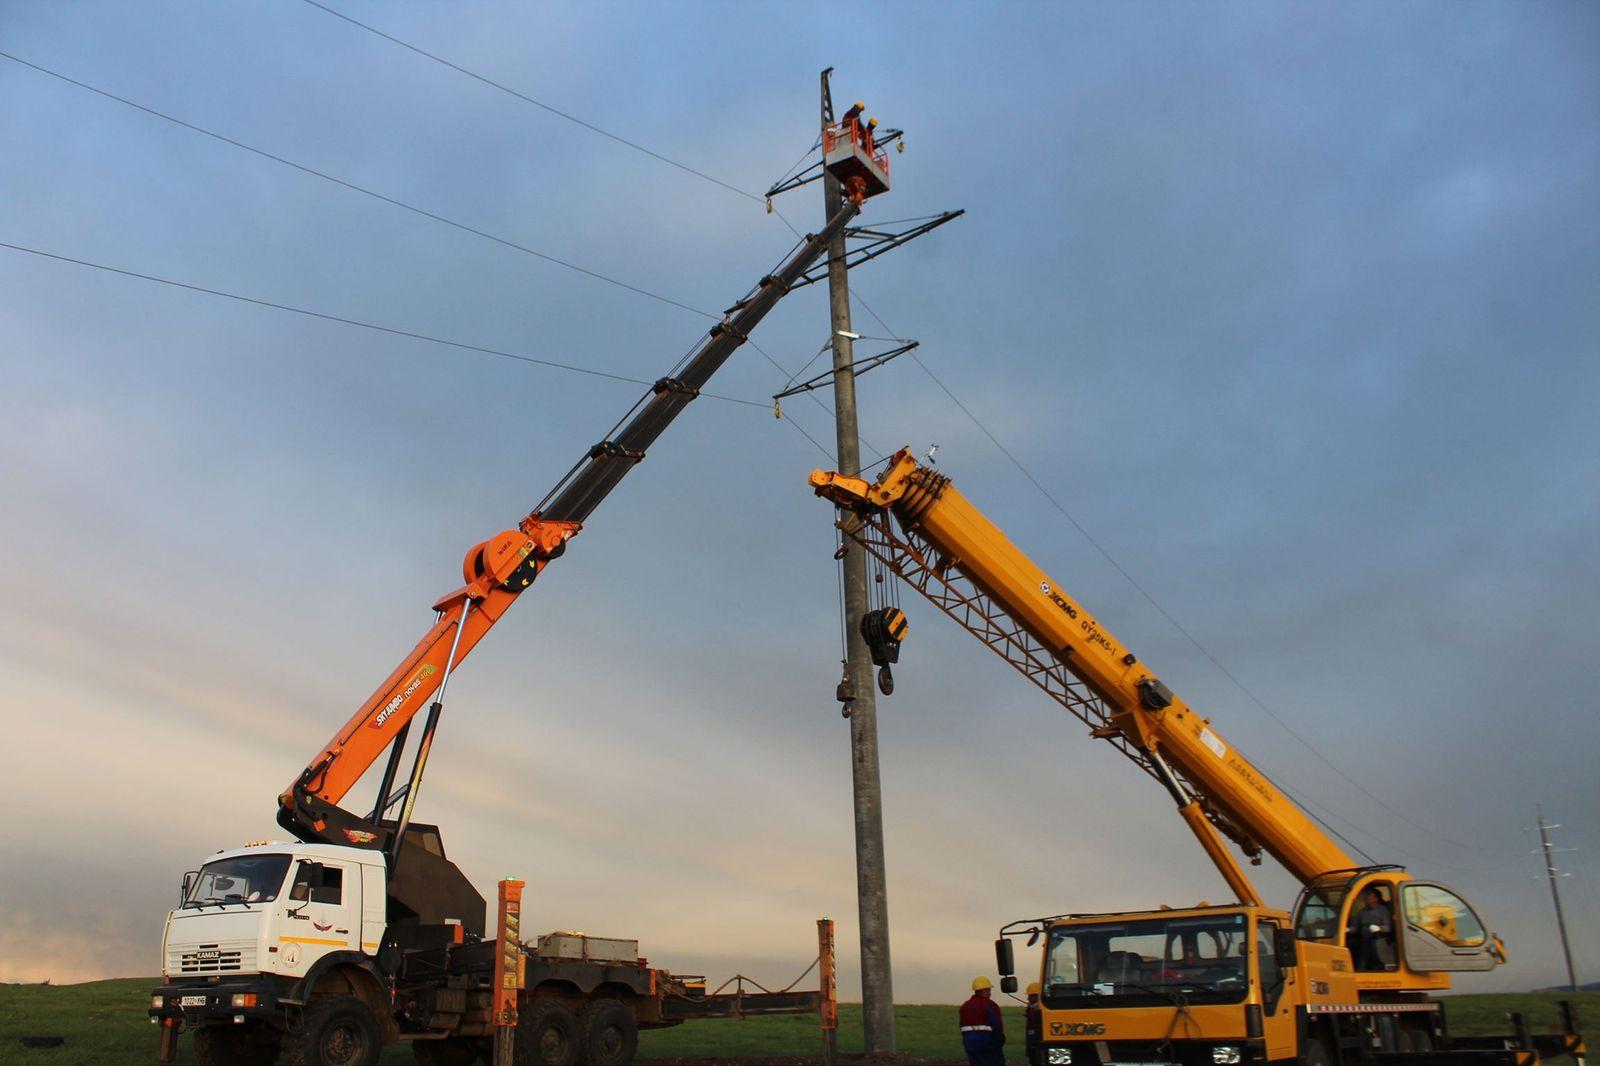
point(883, 630)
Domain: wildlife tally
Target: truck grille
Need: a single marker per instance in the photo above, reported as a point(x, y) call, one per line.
point(232, 956)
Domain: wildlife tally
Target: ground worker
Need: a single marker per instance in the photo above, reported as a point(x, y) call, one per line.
point(1033, 1027)
point(982, 1033)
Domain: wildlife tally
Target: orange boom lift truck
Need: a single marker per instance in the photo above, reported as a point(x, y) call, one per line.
point(364, 933)
point(1327, 984)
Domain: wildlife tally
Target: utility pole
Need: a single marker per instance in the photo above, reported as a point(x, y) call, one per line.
point(872, 882)
point(1555, 892)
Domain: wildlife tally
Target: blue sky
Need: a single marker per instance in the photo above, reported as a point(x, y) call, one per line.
point(1293, 308)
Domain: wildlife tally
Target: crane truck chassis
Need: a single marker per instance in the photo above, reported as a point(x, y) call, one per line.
point(1225, 985)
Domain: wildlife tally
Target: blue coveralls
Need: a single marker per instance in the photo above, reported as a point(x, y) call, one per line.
point(982, 1033)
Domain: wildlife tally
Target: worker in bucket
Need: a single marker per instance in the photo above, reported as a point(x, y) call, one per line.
point(1033, 1027)
point(983, 1035)
point(853, 113)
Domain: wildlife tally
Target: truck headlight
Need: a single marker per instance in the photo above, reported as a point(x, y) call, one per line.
point(248, 999)
point(157, 1002)
point(1058, 1056)
point(1225, 1056)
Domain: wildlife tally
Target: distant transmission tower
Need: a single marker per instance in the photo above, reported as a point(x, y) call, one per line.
point(1553, 876)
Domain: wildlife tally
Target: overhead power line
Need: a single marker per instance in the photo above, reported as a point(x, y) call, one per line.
point(363, 190)
point(557, 261)
point(375, 326)
point(475, 76)
point(1173, 621)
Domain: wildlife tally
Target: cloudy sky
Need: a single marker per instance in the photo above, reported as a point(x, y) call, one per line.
point(1294, 309)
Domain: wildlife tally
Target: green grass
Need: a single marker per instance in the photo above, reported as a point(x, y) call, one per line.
point(105, 1024)
point(924, 1031)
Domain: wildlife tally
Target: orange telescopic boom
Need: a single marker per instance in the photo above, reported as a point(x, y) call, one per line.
point(495, 573)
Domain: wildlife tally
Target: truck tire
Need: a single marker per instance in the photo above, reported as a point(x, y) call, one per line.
point(1315, 1053)
point(215, 1045)
point(608, 1033)
point(334, 1031)
point(453, 1051)
point(547, 1035)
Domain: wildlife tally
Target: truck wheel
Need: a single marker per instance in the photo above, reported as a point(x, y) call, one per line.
point(547, 1035)
point(453, 1051)
point(334, 1031)
point(1415, 1040)
point(1315, 1053)
point(610, 1036)
point(218, 1046)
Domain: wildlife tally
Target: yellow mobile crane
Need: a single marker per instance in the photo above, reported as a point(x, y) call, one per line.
point(1346, 976)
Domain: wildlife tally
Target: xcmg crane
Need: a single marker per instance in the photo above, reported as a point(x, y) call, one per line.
point(1347, 974)
point(365, 933)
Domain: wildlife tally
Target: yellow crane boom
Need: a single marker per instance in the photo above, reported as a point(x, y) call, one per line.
point(974, 572)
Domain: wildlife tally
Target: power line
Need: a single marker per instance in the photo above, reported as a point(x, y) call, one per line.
point(353, 187)
point(1250, 694)
point(154, 112)
point(536, 103)
point(1190, 637)
point(425, 213)
point(376, 327)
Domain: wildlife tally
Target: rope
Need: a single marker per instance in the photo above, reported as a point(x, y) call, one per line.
point(742, 979)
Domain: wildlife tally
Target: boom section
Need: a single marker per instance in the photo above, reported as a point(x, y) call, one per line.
point(942, 532)
point(498, 570)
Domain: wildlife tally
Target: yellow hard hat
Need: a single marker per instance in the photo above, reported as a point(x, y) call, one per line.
point(872, 122)
point(980, 983)
point(1034, 989)
point(860, 105)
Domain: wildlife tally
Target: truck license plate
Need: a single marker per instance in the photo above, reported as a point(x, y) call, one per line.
point(192, 1001)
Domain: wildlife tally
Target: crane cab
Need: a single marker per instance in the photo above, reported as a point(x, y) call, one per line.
point(1427, 931)
point(850, 155)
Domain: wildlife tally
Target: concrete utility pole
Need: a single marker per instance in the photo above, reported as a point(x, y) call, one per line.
point(872, 882)
point(1555, 893)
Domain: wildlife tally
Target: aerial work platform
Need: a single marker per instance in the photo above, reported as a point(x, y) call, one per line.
point(851, 156)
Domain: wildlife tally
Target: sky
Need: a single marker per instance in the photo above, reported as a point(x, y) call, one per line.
point(1292, 309)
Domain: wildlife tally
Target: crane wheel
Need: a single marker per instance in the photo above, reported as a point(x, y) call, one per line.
point(547, 1034)
point(1316, 1053)
point(334, 1030)
point(608, 1033)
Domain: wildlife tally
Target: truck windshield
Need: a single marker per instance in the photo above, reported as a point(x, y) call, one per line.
point(1317, 915)
point(242, 879)
point(1148, 962)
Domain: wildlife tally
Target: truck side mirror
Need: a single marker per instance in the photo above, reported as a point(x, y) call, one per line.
point(1005, 958)
point(1285, 946)
point(1008, 985)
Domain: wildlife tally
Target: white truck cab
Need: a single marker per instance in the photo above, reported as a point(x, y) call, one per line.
point(275, 908)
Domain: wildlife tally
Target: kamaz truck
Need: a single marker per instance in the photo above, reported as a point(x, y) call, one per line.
point(363, 933)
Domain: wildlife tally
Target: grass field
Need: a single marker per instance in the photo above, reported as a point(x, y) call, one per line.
point(105, 1025)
